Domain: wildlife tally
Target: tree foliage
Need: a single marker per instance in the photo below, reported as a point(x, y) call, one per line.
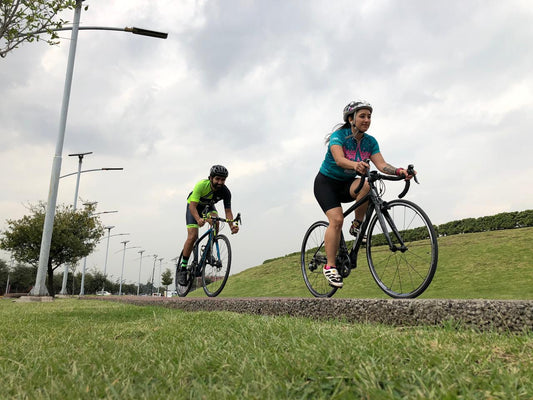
point(166, 278)
point(75, 235)
point(506, 220)
point(25, 20)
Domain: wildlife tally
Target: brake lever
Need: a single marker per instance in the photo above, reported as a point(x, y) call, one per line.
point(411, 171)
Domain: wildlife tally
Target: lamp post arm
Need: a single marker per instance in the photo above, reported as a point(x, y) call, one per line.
point(92, 170)
point(134, 30)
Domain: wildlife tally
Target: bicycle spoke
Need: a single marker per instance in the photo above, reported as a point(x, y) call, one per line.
point(217, 267)
point(313, 258)
point(404, 272)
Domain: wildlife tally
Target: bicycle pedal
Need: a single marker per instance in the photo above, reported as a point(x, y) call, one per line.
point(345, 273)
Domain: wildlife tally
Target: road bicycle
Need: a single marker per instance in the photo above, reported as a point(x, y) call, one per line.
point(400, 240)
point(211, 260)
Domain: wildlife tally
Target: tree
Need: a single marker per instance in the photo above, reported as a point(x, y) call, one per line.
point(21, 278)
point(166, 278)
point(75, 235)
point(23, 21)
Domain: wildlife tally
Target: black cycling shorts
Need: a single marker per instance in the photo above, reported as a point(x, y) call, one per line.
point(202, 210)
point(330, 193)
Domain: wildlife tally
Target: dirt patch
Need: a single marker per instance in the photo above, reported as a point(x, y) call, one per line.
point(507, 315)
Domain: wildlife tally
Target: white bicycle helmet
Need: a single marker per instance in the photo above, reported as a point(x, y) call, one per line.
point(353, 107)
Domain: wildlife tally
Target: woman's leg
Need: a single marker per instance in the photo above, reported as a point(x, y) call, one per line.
point(361, 210)
point(333, 234)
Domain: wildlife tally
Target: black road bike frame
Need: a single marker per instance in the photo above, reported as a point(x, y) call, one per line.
point(347, 260)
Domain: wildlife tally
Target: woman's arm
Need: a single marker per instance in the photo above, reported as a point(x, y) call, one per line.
point(386, 168)
point(382, 165)
point(343, 162)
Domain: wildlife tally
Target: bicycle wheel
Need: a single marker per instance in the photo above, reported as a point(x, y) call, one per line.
point(183, 290)
point(313, 259)
point(407, 272)
point(216, 271)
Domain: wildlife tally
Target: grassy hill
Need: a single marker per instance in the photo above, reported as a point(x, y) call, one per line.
point(487, 265)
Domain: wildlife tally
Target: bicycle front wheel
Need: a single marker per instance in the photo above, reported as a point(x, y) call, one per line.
point(313, 259)
point(217, 266)
point(402, 272)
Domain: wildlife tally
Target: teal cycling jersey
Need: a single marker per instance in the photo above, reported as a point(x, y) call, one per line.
point(353, 150)
point(203, 194)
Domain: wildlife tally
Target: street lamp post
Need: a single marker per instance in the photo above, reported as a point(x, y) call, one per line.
point(106, 253)
point(153, 273)
point(140, 264)
point(80, 158)
point(159, 287)
point(123, 258)
point(39, 288)
point(122, 272)
point(8, 271)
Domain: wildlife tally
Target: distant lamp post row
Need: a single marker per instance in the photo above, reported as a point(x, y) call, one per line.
point(107, 251)
point(80, 161)
point(82, 288)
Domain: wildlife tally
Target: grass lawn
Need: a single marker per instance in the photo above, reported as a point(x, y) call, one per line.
point(488, 265)
point(83, 349)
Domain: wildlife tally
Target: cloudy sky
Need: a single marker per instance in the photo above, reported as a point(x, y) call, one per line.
point(256, 85)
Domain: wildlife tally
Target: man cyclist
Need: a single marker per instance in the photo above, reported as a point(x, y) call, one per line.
point(200, 206)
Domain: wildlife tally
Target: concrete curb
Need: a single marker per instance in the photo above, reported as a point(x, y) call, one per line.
point(501, 315)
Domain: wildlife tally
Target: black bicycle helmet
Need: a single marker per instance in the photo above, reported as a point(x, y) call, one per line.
point(218, 170)
point(353, 107)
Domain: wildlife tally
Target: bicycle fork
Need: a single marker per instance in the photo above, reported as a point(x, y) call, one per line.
point(382, 212)
point(213, 258)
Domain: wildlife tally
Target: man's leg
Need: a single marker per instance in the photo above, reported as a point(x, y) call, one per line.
point(192, 235)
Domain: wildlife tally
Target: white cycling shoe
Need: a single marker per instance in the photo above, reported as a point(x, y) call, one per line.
point(333, 277)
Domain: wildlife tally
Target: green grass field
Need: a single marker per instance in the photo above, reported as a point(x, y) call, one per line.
point(86, 349)
point(488, 265)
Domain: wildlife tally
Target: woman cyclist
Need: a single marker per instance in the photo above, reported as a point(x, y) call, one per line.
point(348, 146)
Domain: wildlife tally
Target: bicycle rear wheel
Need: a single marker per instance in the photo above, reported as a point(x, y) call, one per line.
point(313, 258)
point(183, 290)
point(217, 266)
point(407, 272)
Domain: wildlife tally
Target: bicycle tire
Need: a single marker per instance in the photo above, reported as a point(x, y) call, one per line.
point(216, 271)
point(183, 290)
point(403, 274)
point(313, 259)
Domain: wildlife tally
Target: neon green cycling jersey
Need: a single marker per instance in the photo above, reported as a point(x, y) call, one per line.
point(203, 194)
